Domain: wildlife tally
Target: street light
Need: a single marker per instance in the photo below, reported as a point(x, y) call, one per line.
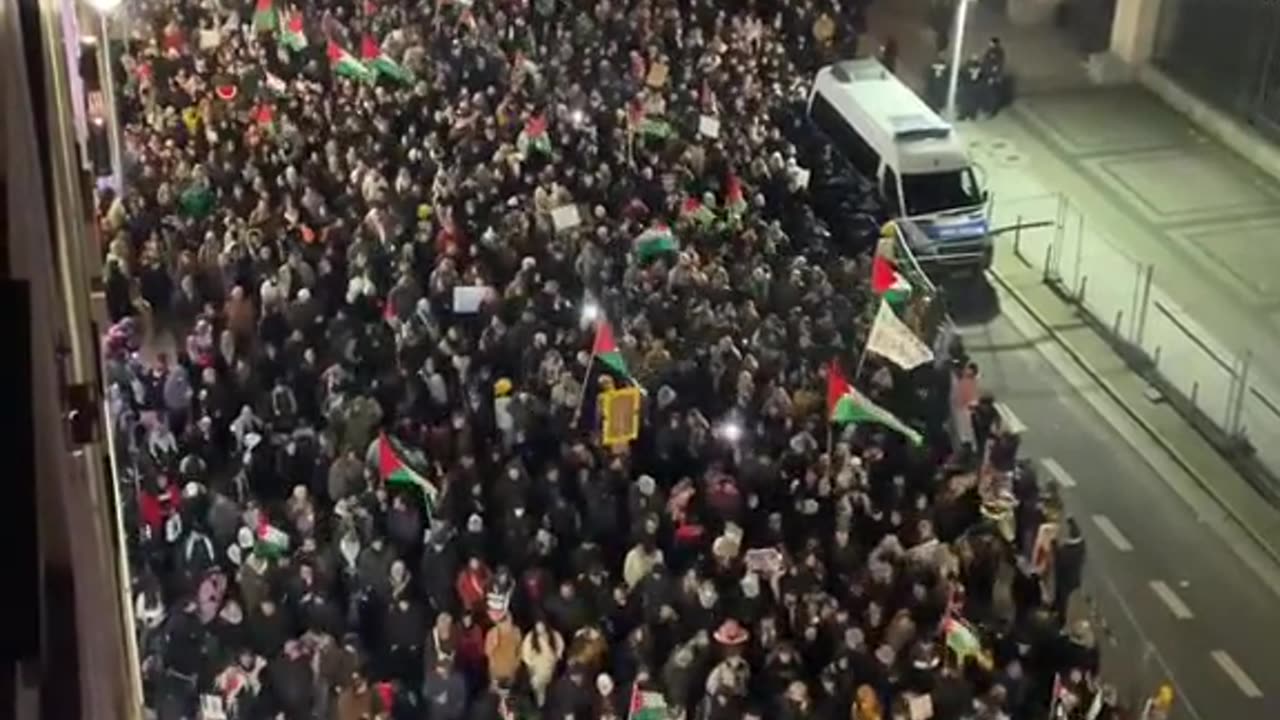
point(105, 8)
point(957, 55)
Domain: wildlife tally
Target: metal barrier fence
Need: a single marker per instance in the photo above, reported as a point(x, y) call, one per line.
point(1121, 293)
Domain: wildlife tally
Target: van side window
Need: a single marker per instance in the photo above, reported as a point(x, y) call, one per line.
point(890, 190)
point(856, 150)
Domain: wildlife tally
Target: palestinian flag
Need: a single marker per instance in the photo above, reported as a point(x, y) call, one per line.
point(533, 138)
point(734, 202)
point(605, 349)
point(646, 705)
point(265, 117)
point(345, 64)
point(381, 63)
point(269, 540)
point(695, 211)
point(264, 16)
point(963, 641)
point(846, 405)
point(655, 241)
point(635, 116)
point(656, 128)
point(293, 35)
point(887, 282)
point(394, 471)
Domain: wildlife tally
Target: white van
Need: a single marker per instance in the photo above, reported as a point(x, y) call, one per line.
point(916, 158)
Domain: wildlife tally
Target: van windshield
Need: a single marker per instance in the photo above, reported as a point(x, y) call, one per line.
point(928, 193)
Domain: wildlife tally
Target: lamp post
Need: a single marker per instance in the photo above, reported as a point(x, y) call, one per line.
point(104, 8)
point(957, 56)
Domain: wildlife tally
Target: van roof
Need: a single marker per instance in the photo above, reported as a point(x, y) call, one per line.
point(890, 115)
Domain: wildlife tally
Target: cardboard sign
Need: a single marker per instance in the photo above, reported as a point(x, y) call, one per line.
point(709, 126)
point(766, 561)
point(566, 217)
point(211, 708)
point(469, 298)
point(920, 706)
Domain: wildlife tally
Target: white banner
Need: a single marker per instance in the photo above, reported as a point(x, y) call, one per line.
point(892, 339)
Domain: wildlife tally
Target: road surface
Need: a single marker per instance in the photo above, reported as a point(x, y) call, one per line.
point(1180, 602)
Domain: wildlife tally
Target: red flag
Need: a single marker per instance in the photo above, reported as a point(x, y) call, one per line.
point(335, 52)
point(883, 275)
point(837, 386)
point(263, 115)
point(369, 49)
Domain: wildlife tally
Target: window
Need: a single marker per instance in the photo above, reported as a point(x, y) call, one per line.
point(889, 188)
point(935, 192)
point(858, 151)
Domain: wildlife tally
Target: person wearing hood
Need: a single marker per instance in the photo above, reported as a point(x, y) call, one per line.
point(290, 680)
point(570, 695)
point(438, 569)
point(404, 628)
point(346, 476)
point(642, 557)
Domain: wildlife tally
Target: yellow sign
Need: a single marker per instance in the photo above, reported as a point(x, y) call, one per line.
point(620, 415)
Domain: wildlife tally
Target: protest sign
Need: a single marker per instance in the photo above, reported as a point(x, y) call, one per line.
point(566, 217)
point(468, 298)
point(708, 126)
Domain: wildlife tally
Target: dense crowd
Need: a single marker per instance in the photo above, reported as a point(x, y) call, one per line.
point(298, 226)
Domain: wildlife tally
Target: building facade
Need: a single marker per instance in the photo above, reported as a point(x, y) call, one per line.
point(1225, 52)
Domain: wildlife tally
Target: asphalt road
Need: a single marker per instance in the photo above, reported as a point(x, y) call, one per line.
point(1178, 602)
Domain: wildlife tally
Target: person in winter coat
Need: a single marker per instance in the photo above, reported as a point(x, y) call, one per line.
point(540, 652)
point(355, 699)
point(502, 648)
point(1068, 566)
point(444, 692)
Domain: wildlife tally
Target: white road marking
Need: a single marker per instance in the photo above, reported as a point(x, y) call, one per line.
point(1184, 700)
point(1236, 673)
point(1058, 473)
point(1113, 533)
point(1009, 420)
point(1171, 600)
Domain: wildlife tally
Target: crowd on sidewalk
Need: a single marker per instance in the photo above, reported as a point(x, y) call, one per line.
point(350, 494)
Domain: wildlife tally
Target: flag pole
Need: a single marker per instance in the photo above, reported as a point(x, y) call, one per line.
point(582, 395)
point(862, 359)
point(831, 459)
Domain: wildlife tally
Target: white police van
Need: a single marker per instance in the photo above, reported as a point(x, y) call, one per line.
point(915, 157)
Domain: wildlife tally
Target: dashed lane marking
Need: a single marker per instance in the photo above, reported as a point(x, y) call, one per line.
point(1058, 473)
point(1237, 674)
point(1113, 533)
point(1171, 600)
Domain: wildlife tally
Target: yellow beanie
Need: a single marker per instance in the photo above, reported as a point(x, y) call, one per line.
point(501, 387)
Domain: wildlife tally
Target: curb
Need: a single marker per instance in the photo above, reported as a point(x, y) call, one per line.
point(1271, 551)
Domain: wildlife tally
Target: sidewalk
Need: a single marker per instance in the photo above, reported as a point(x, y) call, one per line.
point(1241, 513)
point(1041, 57)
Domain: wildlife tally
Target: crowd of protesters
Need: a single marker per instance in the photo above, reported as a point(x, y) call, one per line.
point(299, 234)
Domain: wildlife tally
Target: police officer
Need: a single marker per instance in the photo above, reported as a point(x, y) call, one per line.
point(971, 88)
point(995, 95)
point(935, 83)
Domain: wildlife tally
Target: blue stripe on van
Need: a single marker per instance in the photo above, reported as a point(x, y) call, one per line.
point(943, 231)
